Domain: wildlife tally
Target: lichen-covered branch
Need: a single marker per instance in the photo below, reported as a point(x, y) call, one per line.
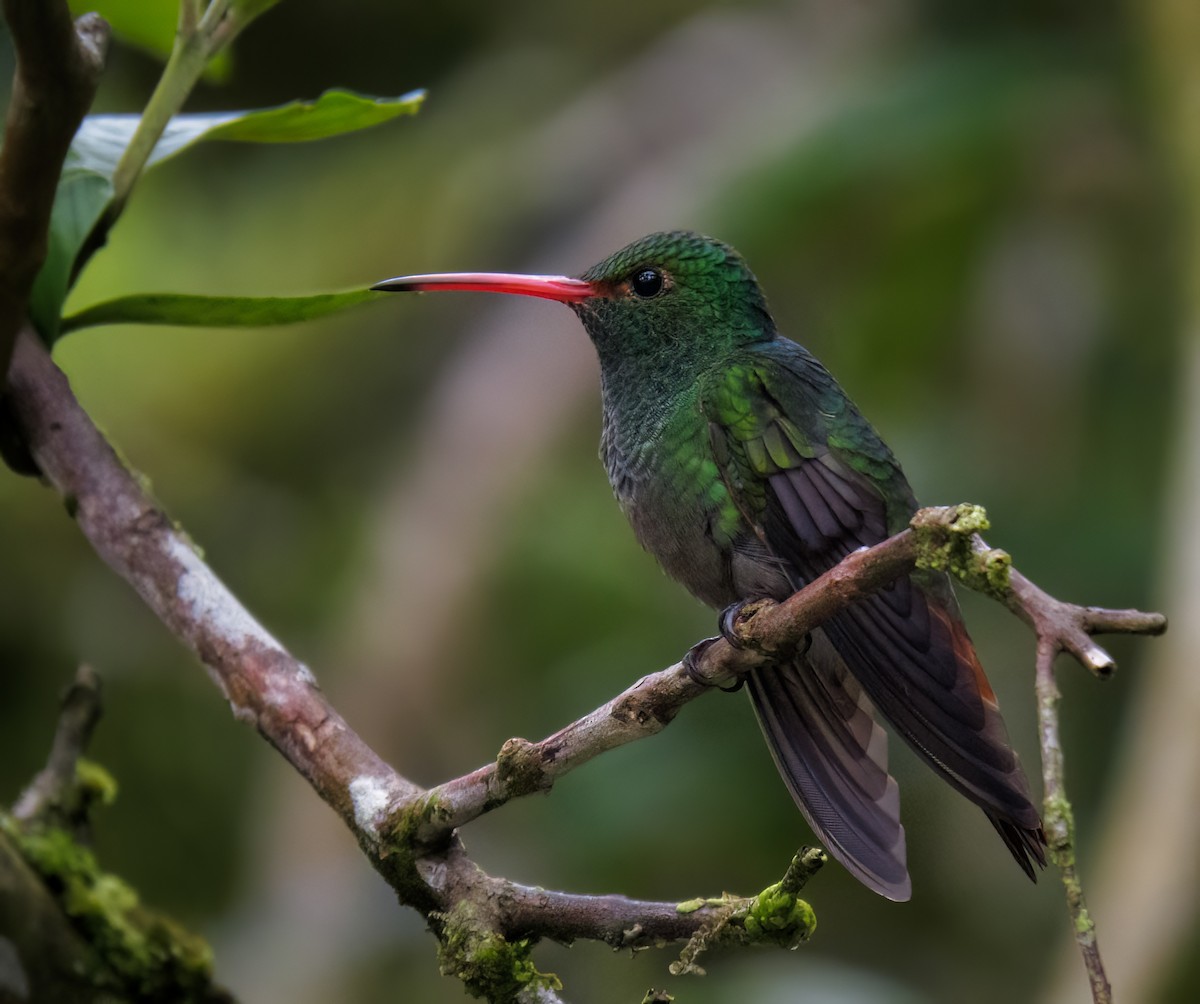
point(1066, 627)
point(58, 67)
point(648, 706)
point(264, 684)
point(942, 537)
point(40, 950)
point(1059, 822)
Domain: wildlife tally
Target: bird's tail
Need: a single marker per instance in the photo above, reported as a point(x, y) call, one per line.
point(908, 647)
point(822, 733)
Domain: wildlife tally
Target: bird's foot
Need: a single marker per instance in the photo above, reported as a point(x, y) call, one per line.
point(691, 667)
point(804, 646)
point(733, 617)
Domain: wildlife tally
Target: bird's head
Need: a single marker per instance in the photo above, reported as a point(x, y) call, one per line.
point(663, 294)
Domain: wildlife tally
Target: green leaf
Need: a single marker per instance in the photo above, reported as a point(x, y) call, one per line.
point(102, 138)
point(85, 188)
point(334, 112)
point(188, 310)
point(78, 204)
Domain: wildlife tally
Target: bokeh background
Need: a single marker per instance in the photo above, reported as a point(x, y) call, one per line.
point(981, 217)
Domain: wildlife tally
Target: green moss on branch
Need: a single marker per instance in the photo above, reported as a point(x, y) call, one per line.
point(776, 916)
point(140, 953)
point(488, 965)
point(946, 543)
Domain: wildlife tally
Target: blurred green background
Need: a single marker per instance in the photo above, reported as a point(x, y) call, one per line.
point(969, 212)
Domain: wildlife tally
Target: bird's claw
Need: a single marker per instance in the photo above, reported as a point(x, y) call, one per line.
point(691, 662)
point(691, 667)
point(731, 618)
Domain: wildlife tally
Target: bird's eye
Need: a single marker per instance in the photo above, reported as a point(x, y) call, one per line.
point(647, 282)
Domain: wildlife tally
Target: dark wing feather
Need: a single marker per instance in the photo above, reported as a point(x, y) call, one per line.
point(911, 653)
point(833, 756)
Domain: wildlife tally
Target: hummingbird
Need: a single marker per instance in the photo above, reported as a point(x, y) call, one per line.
point(746, 471)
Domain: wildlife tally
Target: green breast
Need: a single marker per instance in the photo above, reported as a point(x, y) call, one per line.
point(691, 473)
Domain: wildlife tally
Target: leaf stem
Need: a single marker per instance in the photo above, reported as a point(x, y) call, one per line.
point(189, 55)
point(189, 16)
point(199, 37)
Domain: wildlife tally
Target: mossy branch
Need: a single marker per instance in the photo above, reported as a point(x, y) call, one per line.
point(94, 939)
point(775, 916)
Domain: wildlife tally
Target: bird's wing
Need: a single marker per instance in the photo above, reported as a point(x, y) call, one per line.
point(816, 482)
point(819, 725)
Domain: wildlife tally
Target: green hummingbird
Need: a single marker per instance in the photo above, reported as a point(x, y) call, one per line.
point(745, 469)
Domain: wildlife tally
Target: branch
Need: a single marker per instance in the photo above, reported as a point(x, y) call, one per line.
point(647, 707)
point(1066, 627)
point(1059, 823)
point(58, 67)
point(938, 537)
point(633, 924)
point(265, 685)
point(485, 924)
point(48, 958)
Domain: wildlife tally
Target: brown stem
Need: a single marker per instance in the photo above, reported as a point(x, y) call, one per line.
point(1059, 820)
point(263, 683)
point(59, 62)
point(652, 702)
point(765, 630)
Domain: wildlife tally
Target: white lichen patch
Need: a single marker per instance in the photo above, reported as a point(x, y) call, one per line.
point(370, 797)
point(211, 604)
point(276, 694)
point(433, 873)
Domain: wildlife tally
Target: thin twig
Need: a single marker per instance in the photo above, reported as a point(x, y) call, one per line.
point(1059, 821)
point(53, 792)
point(1069, 626)
point(1066, 627)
